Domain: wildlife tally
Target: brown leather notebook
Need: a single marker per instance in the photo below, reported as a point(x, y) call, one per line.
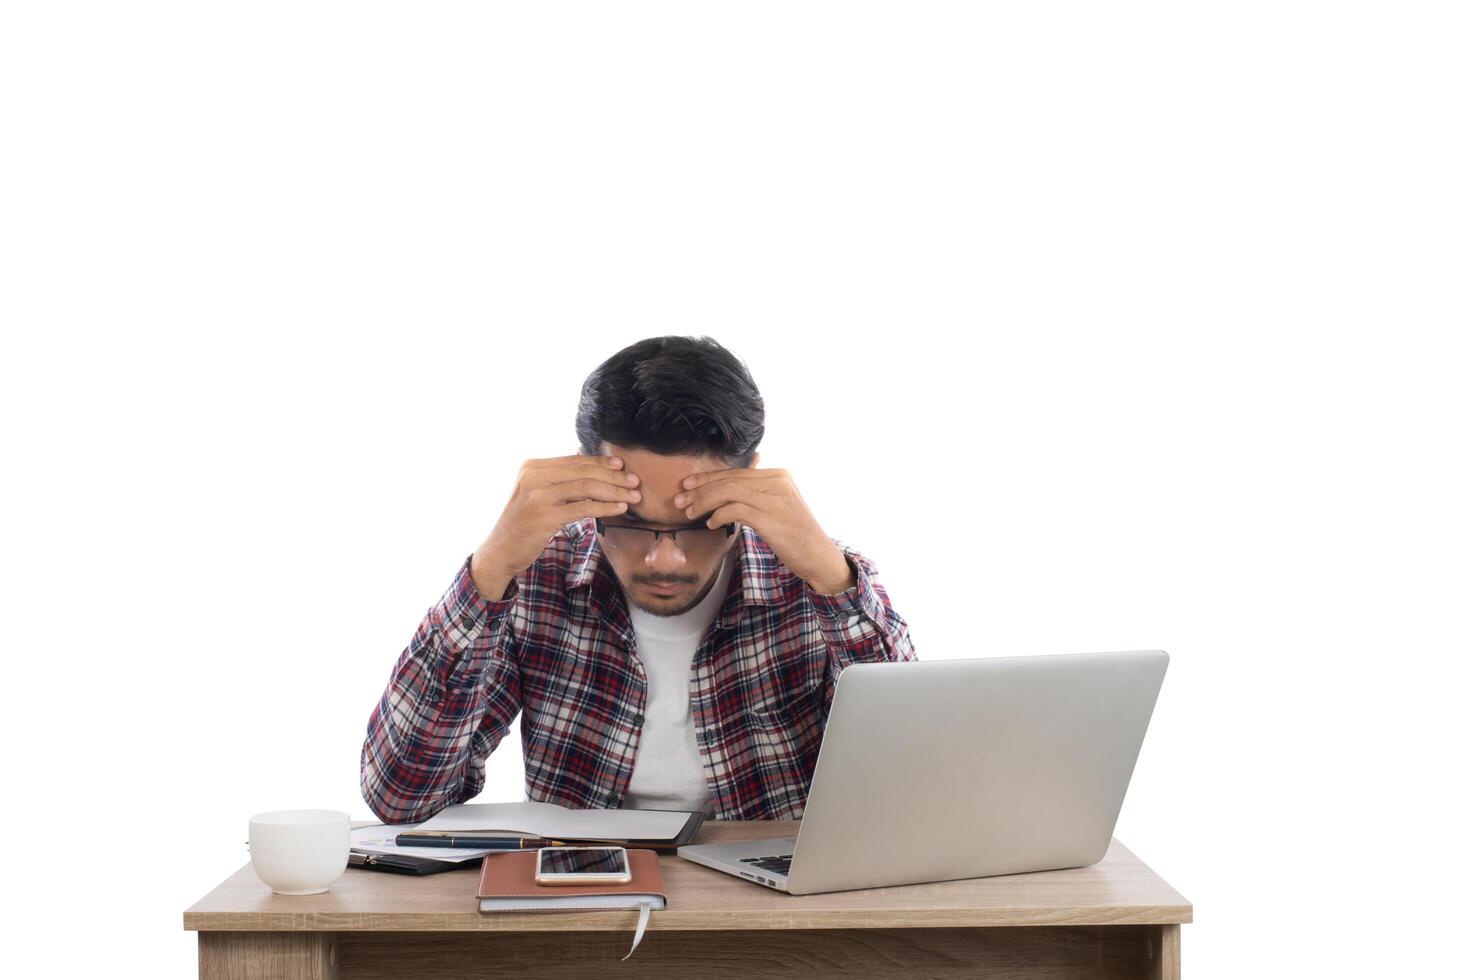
point(507, 883)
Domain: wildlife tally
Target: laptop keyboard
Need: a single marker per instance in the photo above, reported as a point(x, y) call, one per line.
point(779, 863)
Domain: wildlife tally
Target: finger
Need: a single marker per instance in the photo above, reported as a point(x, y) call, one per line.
point(579, 509)
point(732, 513)
point(707, 499)
point(584, 470)
point(713, 476)
point(591, 489)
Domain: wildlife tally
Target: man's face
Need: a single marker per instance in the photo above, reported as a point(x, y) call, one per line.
point(691, 575)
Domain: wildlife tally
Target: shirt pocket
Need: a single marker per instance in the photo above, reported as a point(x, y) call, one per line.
point(790, 708)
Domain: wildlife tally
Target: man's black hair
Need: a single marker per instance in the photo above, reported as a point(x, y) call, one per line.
point(675, 396)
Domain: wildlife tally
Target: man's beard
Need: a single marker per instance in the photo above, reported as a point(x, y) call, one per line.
point(680, 610)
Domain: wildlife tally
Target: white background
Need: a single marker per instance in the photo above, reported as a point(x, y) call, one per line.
point(1096, 326)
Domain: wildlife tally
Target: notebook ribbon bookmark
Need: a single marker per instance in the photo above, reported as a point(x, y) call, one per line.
point(642, 924)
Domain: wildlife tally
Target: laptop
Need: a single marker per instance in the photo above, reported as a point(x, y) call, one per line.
point(936, 770)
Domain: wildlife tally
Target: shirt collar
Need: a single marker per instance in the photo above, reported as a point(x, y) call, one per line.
point(755, 581)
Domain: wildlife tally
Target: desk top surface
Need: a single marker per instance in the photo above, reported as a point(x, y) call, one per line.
point(1118, 890)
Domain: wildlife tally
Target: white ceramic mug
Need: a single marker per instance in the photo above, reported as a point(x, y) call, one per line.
point(300, 852)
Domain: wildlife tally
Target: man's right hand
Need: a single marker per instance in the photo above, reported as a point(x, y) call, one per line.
point(548, 493)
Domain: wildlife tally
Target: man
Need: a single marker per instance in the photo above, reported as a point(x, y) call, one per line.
point(668, 620)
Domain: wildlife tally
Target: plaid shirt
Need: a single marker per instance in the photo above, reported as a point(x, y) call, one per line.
point(558, 648)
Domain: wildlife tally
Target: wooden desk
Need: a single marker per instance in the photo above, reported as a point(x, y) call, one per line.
point(1114, 919)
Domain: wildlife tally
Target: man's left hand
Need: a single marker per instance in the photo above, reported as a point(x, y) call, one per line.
point(769, 502)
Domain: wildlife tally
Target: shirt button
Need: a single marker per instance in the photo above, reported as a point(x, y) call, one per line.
point(637, 721)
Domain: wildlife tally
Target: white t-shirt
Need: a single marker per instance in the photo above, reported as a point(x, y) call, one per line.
point(667, 774)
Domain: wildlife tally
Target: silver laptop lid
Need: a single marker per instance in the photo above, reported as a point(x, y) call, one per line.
point(934, 770)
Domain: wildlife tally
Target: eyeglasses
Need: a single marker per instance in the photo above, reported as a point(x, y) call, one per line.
point(689, 540)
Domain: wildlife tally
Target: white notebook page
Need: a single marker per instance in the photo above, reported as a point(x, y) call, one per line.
point(550, 820)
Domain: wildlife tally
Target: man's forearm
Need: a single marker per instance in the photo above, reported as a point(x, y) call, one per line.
point(491, 583)
point(842, 577)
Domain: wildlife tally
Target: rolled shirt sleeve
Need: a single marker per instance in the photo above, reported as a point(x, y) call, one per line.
point(860, 624)
point(451, 698)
